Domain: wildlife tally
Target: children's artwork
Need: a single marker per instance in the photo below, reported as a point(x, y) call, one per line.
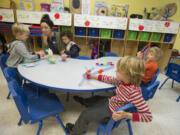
point(86, 5)
point(93, 21)
point(27, 5)
point(57, 6)
point(6, 15)
point(107, 63)
point(34, 17)
point(101, 9)
point(153, 26)
point(119, 10)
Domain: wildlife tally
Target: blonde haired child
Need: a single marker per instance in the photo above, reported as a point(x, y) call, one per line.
point(18, 48)
point(152, 56)
point(129, 72)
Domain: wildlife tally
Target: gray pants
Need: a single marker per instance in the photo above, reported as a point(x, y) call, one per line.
point(98, 112)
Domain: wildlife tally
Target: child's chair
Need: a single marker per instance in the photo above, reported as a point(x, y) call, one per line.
point(83, 58)
point(3, 59)
point(173, 71)
point(107, 128)
point(30, 89)
point(111, 54)
point(35, 109)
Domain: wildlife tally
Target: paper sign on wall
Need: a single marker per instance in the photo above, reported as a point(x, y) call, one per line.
point(6, 15)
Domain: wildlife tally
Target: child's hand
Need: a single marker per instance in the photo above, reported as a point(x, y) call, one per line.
point(41, 53)
point(120, 115)
point(62, 52)
point(64, 57)
point(140, 55)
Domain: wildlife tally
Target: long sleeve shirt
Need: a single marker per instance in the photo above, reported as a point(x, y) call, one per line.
point(128, 93)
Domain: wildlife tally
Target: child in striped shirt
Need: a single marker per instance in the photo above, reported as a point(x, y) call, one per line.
point(100, 109)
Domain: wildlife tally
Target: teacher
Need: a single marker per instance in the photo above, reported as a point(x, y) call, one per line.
point(50, 39)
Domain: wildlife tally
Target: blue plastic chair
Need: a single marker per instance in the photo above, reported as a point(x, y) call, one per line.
point(149, 91)
point(35, 109)
point(147, 94)
point(178, 99)
point(3, 59)
point(173, 71)
point(111, 54)
point(30, 89)
point(83, 58)
point(106, 129)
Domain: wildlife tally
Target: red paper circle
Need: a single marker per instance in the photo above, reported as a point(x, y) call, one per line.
point(167, 24)
point(1, 18)
point(141, 27)
point(87, 23)
point(57, 15)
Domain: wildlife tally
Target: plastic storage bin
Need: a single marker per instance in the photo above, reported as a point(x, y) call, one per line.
point(156, 37)
point(93, 32)
point(118, 33)
point(132, 35)
point(144, 36)
point(65, 28)
point(80, 31)
point(168, 37)
point(106, 33)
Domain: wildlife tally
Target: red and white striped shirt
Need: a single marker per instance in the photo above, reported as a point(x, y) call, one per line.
point(128, 93)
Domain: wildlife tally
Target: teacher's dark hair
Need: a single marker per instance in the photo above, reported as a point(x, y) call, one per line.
point(46, 19)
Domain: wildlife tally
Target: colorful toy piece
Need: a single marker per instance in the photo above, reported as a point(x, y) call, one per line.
point(107, 63)
point(88, 74)
point(146, 47)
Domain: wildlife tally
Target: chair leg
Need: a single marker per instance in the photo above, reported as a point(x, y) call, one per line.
point(177, 100)
point(163, 83)
point(20, 122)
point(38, 91)
point(129, 127)
point(172, 84)
point(98, 131)
point(62, 125)
point(92, 94)
point(40, 127)
point(67, 96)
point(8, 95)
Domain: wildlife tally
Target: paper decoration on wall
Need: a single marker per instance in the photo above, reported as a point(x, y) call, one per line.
point(57, 16)
point(6, 15)
point(87, 23)
point(86, 5)
point(32, 17)
point(172, 9)
point(101, 9)
point(75, 6)
point(154, 26)
point(57, 6)
point(119, 10)
point(27, 5)
point(167, 24)
point(100, 21)
point(141, 27)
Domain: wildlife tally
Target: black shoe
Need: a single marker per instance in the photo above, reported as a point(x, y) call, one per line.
point(69, 127)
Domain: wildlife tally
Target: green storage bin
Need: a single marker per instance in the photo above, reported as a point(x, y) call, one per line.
point(144, 36)
point(132, 35)
point(106, 33)
point(65, 28)
point(156, 37)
